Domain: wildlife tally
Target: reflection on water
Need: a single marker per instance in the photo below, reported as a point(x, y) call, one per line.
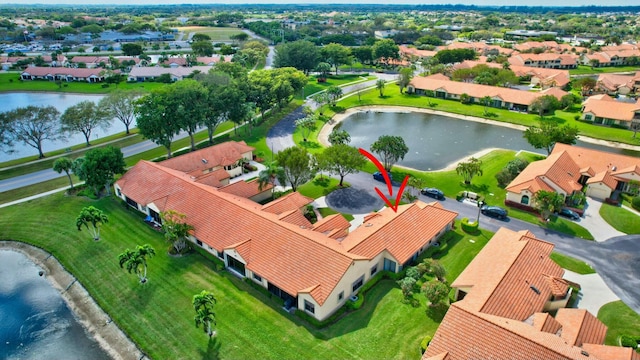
point(35, 323)
point(436, 141)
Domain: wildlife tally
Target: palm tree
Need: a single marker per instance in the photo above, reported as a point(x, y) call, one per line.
point(136, 261)
point(203, 305)
point(269, 175)
point(93, 216)
point(64, 164)
point(176, 228)
point(380, 84)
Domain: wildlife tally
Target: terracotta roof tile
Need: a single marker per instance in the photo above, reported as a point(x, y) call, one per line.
point(604, 352)
point(545, 322)
point(332, 224)
point(558, 168)
point(606, 109)
point(599, 161)
point(208, 158)
point(295, 217)
point(401, 233)
point(580, 326)
point(245, 189)
point(291, 201)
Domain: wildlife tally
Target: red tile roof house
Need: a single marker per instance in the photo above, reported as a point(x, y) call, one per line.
point(90, 61)
point(569, 169)
point(151, 73)
point(545, 60)
point(315, 267)
point(545, 78)
point(64, 74)
point(603, 109)
point(8, 61)
point(609, 58)
point(613, 84)
point(504, 296)
point(501, 97)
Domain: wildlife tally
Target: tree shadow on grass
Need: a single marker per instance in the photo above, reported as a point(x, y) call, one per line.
point(481, 188)
point(437, 312)
point(309, 144)
point(213, 349)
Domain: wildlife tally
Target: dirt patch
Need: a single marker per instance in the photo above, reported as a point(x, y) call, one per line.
point(97, 323)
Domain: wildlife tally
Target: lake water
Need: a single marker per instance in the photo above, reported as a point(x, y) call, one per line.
point(10, 101)
point(436, 141)
point(35, 323)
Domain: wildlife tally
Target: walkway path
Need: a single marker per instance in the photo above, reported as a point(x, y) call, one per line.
point(597, 226)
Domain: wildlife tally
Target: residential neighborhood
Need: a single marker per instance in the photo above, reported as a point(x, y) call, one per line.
point(320, 181)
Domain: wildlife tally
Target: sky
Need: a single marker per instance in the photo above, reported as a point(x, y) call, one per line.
point(397, 2)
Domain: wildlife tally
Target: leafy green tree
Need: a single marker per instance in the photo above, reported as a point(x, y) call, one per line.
point(200, 37)
point(84, 117)
point(390, 149)
point(336, 55)
point(323, 68)
point(468, 169)
point(385, 49)
point(269, 175)
point(157, 117)
point(93, 216)
point(120, 105)
point(130, 49)
point(30, 125)
point(64, 164)
point(544, 104)
point(436, 292)
point(260, 86)
point(364, 54)
point(549, 133)
point(585, 84)
point(239, 37)
point(203, 305)
point(176, 229)
point(301, 54)
point(414, 184)
point(306, 125)
point(191, 99)
point(202, 48)
point(407, 284)
point(404, 77)
point(321, 98)
point(135, 261)
point(339, 137)
point(510, 171)
point(380, 85)
point(100, 166)
point(334, 92)
point(297, 166)
point(547, 202)
point(342, 160)
point(486, 101)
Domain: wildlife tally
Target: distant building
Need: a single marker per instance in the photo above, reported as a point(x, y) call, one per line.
point(524, 34)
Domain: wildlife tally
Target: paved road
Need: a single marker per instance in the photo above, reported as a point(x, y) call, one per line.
point(616, 260)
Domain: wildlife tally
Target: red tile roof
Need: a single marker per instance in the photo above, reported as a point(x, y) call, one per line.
point(580, 326)
point(245, 189)
point(608, 108)
point(558, 169)
point(291, 201)
point(53, 71)
point(403, 236)
point(600, 161)
point(335, 226)
point(604, 352)
point(227, 153)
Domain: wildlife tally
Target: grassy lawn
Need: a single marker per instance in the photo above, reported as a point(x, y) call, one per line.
point(572, 264)
point(621, 219)
point(216, 33)
point(620, 319)
point(329, 211)
point(322, 185)
point(313, 86)
point(11, 82)
point(585, 69)
point(392, 96)
point(159, 317)
point(458, 251)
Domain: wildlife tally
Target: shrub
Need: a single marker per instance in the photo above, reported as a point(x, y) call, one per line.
point(261, 289)
point(576, 117)
point(469, 228)
point(424, 344)
point(104, 86)
point(355, 305)
point(628, 341)
point(635, 203)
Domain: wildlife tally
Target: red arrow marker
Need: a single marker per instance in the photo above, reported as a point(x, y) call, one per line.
point(387, 180)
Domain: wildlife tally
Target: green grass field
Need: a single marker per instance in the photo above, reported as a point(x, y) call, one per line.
point(216, 33)
point(313, 86)
point(158, 316)
point(621, 219)
point(586, 70)
point(620, 319)
point(572, 264)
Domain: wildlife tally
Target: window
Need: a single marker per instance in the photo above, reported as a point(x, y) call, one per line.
point(199, 242)
point(309, 307)
point(358, 284)
point(525, 199)
point(374, 269)
point(341, 296)
point(119, 193)
point(257, 277)
point(220, 254)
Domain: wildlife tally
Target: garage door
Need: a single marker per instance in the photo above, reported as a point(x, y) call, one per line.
point(597, 193)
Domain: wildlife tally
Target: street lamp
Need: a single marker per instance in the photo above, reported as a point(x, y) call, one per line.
point(480, 205)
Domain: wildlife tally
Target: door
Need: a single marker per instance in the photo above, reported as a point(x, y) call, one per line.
point(389, 265)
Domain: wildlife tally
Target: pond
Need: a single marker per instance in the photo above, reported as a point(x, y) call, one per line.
point(436, 141)
point(35, 323)
point(10, 101)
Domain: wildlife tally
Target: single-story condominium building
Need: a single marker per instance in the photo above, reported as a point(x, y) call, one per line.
point(313, 267)
point(614, 84)
point(512, 99)
point(605, 110)
point(63, 74)
point(504, 298)
point(542, 77)
point(569, 169)
point(151, 73)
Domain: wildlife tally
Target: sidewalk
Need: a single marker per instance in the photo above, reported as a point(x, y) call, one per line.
point(592, 221)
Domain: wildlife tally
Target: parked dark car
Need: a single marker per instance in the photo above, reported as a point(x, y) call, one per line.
point(494, 211)
point(433, 192)
point(568, 213)
point(378, 176)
